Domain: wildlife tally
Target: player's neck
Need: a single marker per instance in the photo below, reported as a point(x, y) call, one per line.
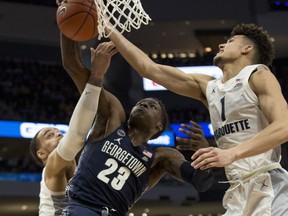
point(230, 70)
point(137, 137)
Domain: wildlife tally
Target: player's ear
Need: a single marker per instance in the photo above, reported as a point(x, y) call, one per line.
point(159, 126)
point(247, 48)
point(41, 154)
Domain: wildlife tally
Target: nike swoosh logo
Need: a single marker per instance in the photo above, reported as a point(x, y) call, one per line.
point(63, 9)
point(87, 93)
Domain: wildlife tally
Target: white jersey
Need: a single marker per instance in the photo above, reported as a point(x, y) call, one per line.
point(236, 117)
point(51, 203)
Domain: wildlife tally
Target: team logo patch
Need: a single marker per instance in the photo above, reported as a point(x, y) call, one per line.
point(62, 10)
point(213, 90)
point(239, 79)
point(239, 83)
point(121, 132)
point(147, 153)
point(118, 140)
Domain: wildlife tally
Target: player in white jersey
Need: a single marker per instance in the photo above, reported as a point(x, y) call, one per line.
point(251, 175)
point(248, 112)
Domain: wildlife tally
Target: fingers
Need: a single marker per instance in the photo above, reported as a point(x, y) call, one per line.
point(201, 152)
point(113, 52)
point(59, 2)
point(194, 127)
point(194, 132)
point(196, 138)
point(187, 144)
point(208, 166)
point(92, 50)
point(107, 48)
point(190, 133)
point(204, 158)
point(195, 124)
point(210, 157)
point(189, 141)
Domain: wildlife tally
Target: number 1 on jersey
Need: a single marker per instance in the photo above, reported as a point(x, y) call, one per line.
point(223, 109)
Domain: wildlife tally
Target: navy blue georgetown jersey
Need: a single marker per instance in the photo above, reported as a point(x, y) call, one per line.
point(112, 173)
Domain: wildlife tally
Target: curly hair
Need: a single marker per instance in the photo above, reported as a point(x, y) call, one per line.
point(34, 147)
point(264, 45)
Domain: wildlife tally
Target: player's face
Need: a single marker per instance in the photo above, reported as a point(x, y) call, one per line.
point(147, 111)
point(230, 50)
point(49, 138)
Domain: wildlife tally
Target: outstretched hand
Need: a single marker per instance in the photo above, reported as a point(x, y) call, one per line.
point(210, 157)
point(100, 60)
point(196, 138)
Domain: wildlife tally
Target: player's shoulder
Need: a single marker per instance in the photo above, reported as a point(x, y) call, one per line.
point(262, 78)
point(261, 69)
point(261, 72)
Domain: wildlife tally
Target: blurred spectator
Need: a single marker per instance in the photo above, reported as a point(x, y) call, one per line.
point(35, 91)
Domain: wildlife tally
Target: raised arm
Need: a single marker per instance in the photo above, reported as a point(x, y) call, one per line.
point(72, 59)
point(109, 106)
point(173, 79)
point(84, 112)
point(110, 111)
point(79, 126)
point(72, 62)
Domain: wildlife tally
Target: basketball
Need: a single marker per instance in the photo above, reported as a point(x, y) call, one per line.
point(77, 19)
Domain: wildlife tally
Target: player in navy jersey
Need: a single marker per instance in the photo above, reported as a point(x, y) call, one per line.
point(248, 113)
point(116, 165)
point(57, 153)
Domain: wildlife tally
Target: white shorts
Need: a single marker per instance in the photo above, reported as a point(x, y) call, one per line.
point(264, 195)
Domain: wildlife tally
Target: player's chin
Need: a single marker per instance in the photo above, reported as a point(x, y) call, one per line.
point(216, 59)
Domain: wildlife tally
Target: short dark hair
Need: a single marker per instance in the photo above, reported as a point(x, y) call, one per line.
point(264, 44)
point(164, 118)
point(34, 147)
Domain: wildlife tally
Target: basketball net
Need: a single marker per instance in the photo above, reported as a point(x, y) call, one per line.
point(120, 14)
